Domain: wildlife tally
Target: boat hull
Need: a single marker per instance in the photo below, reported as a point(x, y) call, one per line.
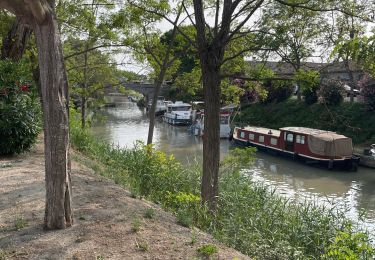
point(343, 164)
point(177, 121)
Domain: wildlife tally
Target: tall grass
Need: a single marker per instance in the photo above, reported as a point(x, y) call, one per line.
point(250, 217)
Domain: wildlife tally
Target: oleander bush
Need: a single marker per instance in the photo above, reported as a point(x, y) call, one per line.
point(20, 111)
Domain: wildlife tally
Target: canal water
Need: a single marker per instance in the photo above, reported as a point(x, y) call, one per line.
point(126, 123)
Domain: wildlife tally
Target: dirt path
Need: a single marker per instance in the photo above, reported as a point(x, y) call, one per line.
point(109, 224)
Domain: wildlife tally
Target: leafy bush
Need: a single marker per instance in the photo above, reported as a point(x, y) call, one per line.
point(332, 92)
point(277, 91)
point(308, 80)
point(368, 93)
point(19, 109)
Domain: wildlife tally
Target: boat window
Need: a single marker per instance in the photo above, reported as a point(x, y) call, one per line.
point(289, 137)
point(242, 134)
point(181, 108)
point(261, 138)
point(251, 136)
point(300, 139)
point(285, 136)
point(273, 141)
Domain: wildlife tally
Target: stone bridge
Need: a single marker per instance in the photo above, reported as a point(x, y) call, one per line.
point(147, 89)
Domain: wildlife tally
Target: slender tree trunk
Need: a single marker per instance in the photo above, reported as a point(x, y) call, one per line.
point(351, 79)
point(211, 138)
point(14, 44)
point(152, 111)
point(85, 86)
point(58, 212)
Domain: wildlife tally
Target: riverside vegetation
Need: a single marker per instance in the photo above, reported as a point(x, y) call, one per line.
point(250, 217)
point(350, 119)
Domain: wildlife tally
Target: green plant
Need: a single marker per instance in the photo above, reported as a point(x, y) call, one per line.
point(184, 218)
point(141, 246)
point(350, 246)
point(368, 93)
point(150, 213)
point(20, 223)
point(136, 225)
point(3, 255)
point(19, 108)
point(277, 91)
point(332, 92)
point(207, 250)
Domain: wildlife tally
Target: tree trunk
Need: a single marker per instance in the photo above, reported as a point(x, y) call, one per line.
point(152, 111)
point(351, 80)
point(14, 44)
point(211, 138)
point(58, 212)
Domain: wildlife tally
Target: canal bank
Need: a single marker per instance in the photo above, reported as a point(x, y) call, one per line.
point(355, 191)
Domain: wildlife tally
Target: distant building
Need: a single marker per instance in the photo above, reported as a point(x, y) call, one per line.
point(336, 70)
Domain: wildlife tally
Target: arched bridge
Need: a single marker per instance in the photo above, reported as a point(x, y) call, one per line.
point(147, 89)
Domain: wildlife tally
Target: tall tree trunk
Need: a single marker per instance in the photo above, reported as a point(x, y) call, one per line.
point(85, 86)
point(152, 111)
point(211, 138)
point(14, 44)
point(351, 80)
point(58, 212)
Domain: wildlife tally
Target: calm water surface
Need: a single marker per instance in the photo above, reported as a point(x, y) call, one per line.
point(127, 123)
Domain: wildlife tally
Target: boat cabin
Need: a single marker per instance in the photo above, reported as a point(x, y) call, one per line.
point(307, 143)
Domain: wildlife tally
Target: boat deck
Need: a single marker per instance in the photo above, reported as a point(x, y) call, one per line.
point(262, 130)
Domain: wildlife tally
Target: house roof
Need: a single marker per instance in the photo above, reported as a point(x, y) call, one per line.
point(284, 68)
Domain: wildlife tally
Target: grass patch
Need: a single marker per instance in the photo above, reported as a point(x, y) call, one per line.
point(136, 225)
point(20, 223)
point(141, 246)
point(150, 213)
point(207, 250)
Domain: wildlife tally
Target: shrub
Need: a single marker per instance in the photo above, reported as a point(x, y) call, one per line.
point(19, 109)
point(278, 91)
point(332, 92)
point(308, 80)
point(368, 93)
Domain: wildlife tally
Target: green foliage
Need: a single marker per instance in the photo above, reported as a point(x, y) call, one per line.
point(141, 246)
point(136, 225)
point(20, 223)
point(19, 108)
point(352, 120)
point(150, 213)
point(308, 81)
point(332, 92)
point(349, 246)
point(231, 93)
point(368, 93)
point(277, 91)
point(207, 250)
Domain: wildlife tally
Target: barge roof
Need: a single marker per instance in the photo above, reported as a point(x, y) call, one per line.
point(323, 134)
point(262, 130)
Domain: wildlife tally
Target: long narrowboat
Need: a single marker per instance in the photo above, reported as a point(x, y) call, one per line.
point(312, 146)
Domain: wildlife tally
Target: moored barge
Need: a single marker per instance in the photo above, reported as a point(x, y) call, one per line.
point(312, 146)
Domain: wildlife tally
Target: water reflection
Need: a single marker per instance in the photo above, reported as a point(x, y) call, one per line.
point(128, 123)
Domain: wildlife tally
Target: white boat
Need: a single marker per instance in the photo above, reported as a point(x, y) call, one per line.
point(161, 106)
point(178, 113)
point(225, 130)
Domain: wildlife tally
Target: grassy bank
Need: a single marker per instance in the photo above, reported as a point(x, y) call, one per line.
point(352, 120)
point(251, 218)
